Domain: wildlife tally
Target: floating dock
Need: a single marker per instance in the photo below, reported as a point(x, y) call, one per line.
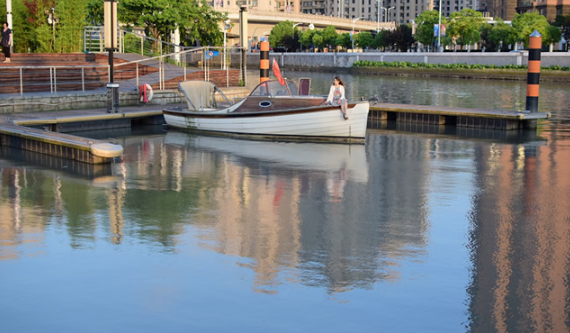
point(453, 116)
point(46, 135)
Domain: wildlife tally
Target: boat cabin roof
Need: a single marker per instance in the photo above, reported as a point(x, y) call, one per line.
point(274, 88)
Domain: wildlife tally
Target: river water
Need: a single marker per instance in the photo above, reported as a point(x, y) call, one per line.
point(422, 229)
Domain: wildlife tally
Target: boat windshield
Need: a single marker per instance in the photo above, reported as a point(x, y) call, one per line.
point(274, 88)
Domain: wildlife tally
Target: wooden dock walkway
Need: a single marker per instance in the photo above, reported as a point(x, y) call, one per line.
point(45, 132)
point(454, 116)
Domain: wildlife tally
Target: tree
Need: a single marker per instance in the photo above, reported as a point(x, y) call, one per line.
point(501, 34)
point(553, 35)
point(330, 35)
point(195, 19)
point(527, 23)
point(425, 23)
point(364, 39)
point(307, 37)
point(71, 22)
point(381, 38)
point(464, 26)
point(563, 22)
point(318, 40)
point(281, 34)
point(95, 12)
point(402, 38)
point(343, 40)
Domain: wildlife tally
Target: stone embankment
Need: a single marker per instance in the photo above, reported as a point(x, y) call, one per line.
point(342, 62)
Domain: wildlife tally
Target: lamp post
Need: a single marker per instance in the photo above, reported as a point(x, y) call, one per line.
point(439, 29)
point(300, 45)
point(388, 13)
point(226, 28)
point(378, 12)
point(352, 35)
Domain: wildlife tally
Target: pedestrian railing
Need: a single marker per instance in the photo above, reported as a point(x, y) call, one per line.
point(160, 71)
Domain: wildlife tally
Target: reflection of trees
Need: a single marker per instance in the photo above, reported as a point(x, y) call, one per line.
point(519, 240)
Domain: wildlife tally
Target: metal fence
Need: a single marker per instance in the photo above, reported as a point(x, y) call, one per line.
point(162, 71)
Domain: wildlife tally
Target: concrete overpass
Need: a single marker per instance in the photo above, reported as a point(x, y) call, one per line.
point(260, 23)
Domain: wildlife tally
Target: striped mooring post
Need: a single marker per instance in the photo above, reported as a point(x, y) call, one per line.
point(533, 77)
point(264, 61)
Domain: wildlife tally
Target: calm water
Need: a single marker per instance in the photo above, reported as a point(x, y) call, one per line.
point(426, 231)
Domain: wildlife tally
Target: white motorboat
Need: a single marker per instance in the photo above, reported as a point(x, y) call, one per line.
point(272, 111)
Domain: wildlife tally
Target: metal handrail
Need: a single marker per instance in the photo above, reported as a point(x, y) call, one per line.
point(53, 74)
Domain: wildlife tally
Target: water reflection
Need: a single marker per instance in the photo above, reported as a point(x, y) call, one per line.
point(519, 240)
point(469, 226)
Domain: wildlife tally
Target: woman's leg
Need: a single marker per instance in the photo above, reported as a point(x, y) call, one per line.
point(344, 108)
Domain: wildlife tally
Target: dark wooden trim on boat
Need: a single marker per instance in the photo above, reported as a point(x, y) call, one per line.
point(256, 114)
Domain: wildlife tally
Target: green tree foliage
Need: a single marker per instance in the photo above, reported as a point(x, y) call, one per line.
point(330, 35)
point(95, 12)
point(553, 35)
point(32, 26)
point(283, 34)
point(306, 38)
point(343, 40)
point(364, 39)
point(381, 38)
point(464, 26)
point(527, 23)
point(563, 22)
point(319, 40)
point(496, 35)
point(195, 19)
point(401, 38)
point(425, 22)
point(69, 35)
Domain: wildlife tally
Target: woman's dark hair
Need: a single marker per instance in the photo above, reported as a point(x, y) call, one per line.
point(339, 80)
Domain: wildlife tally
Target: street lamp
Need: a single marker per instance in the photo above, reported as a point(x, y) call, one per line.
point(352, 35)
point(388, 13)
point(311, 27)
point(378, 12)
point(439, 29)
point(226, 28)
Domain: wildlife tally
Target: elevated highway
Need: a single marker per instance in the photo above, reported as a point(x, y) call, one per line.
point(260, 23)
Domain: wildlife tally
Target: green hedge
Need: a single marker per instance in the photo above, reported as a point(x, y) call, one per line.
point(407, 64)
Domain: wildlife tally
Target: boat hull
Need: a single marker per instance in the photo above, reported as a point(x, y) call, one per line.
point(314, 123)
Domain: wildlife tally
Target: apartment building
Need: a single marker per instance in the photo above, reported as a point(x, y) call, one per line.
point(503, 9)
point(291, 6)
point(316, 7)
point(548, 8)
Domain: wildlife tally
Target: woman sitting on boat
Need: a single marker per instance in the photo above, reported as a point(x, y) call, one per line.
point(336, 96)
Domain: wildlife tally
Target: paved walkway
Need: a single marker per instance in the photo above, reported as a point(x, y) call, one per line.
point(88, 112)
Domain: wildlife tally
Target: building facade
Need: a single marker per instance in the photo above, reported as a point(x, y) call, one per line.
point(548, 8)
point(291, 6)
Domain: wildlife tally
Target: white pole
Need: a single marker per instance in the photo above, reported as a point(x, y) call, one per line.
point(9, 17)
point(439, 29)
point(225, 48)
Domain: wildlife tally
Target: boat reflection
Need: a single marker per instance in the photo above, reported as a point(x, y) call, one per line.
point(347, 159)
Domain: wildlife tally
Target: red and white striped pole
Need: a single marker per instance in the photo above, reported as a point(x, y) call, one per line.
point(533, 77)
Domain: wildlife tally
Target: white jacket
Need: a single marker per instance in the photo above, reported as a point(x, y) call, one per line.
point(331, 93)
